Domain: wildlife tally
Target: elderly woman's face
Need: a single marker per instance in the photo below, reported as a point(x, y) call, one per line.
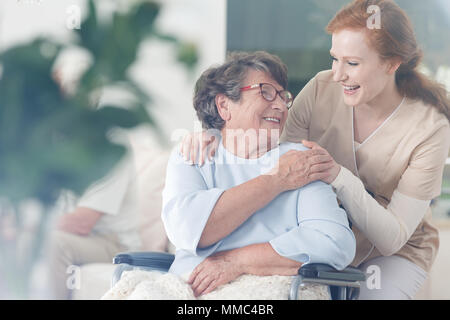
point(254, 114)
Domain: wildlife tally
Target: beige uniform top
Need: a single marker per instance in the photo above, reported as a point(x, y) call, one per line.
point(397, 170)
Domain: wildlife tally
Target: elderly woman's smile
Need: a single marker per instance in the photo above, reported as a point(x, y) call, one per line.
point(272, 119)
point(246, 100)
point(254, 121)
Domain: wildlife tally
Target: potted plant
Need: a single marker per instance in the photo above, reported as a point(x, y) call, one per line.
point(51, 140)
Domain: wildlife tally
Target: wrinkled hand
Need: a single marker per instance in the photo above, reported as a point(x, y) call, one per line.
point(214, 271)
point(197, 145)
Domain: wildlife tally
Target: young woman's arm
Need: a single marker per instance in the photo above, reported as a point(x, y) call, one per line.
point(390, 228)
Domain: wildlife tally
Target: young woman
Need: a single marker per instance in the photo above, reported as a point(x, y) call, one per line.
point(383, 129)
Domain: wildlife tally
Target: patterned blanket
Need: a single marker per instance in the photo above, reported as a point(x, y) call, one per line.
point(153, 285)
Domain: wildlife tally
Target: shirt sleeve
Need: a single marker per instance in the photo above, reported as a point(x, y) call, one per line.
point(323, 234)
point(107, 195)
point(187, 205)
point(297, 124)
point(388, 229)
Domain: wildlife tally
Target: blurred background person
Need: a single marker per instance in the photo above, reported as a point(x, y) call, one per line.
point(104, 222)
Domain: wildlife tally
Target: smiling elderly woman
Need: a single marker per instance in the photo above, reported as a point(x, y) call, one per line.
point(242, 213)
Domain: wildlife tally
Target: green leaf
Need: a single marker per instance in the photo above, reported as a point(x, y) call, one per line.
point(91, 33)
point(187, 54)
point(144, 17)
point(116, 116)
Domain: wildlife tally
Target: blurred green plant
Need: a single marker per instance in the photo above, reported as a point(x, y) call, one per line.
point(50, 140)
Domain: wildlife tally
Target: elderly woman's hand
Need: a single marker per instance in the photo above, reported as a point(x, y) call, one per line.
point(216, 270)
point(197, 145)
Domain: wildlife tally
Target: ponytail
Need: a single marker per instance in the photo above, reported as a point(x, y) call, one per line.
point(416, 85)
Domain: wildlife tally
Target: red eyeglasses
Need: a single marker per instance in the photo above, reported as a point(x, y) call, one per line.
point(269, 93)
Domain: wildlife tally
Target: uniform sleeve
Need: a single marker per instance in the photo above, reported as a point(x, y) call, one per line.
point(297, 124)
point(187, 204)
point(107, 195)
point(387, 228)
point(422, 178)
point(323, 234)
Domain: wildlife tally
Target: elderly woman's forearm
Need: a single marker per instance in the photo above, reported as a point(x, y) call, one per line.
point(236, 205)
point(262, 260)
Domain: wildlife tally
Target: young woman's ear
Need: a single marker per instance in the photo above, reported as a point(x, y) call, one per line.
point(223, 106)
point(393, 66)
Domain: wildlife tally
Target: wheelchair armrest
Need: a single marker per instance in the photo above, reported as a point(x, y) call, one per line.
point(327, 272)
point(327, 275)
point(157, 260)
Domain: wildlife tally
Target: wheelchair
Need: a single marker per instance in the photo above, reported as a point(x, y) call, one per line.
point(344, 284)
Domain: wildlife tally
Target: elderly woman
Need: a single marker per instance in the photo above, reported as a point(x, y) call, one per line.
point(224, 228)
point(213, 211)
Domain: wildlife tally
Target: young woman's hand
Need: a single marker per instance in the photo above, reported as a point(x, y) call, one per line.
point(322, 165)
point(298, 168)
point(197, 145)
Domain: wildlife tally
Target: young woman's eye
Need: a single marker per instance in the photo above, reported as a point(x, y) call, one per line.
point(333, 58)
point(353, 64)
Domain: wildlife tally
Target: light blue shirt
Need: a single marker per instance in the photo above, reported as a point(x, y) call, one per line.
point(305, 225)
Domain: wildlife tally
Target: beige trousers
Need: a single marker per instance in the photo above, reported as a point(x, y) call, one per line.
point(67, 251)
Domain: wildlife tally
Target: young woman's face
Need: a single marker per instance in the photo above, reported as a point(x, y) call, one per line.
point(358, 68)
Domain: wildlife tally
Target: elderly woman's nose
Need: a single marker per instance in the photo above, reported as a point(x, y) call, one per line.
point(279, 104)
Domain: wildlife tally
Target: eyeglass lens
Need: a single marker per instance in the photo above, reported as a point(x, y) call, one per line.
point(269, 93)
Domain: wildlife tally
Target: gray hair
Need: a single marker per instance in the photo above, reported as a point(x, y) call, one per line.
point(227, 79)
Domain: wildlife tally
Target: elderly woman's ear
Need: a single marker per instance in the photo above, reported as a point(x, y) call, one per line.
point(223, 106)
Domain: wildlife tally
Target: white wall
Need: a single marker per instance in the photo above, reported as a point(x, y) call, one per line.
point(170, 86)
point(200, 21)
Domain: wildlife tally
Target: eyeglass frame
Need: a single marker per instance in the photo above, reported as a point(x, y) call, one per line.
point(278, 92)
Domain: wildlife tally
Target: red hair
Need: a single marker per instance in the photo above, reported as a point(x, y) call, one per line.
point(394, 39)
